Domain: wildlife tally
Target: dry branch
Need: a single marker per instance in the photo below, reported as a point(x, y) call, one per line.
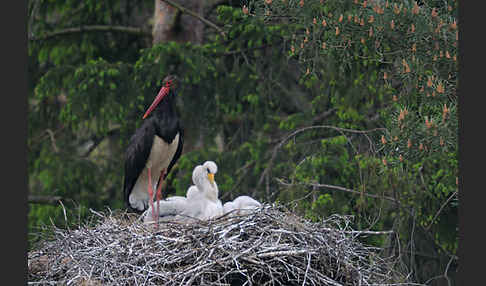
point(339, 188)
point(43, 199)
point(270, 246)
point(197, 16)
point(440, 209)
point(294, 133)
point(92, 28)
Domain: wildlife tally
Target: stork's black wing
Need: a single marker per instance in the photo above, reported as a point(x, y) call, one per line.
point(136, 156)
point(177, 153)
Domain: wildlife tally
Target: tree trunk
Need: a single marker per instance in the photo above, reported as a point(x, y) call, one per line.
point(171, 25)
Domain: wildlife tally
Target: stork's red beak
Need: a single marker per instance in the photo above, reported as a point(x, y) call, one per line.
point(162, 93)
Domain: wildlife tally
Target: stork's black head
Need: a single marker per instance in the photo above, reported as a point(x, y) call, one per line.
point(169, 83)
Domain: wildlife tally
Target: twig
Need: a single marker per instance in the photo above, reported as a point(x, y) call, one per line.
point(363, 232)
point(307, 268)
point(199, 17)
point(447, 270)
point(98, 139)
point(229, 53)
point(246, 169)
point(33, 12)
point(92, 28)
point(53, 140)
point(412, 246)
point(294, 133)
point(96, 213)
point(440, 210)
point(285, 253)
point(43, 199)
point(268, 246)
point(337, 188)
point(323, 115)
point(42, 136)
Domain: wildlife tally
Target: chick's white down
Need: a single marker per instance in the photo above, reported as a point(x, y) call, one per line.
point(241, 205)
point(201, 200)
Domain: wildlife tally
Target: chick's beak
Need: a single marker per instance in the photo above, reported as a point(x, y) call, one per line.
point(211, 178)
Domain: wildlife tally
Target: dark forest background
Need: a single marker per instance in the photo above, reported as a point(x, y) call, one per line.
point(345, 107)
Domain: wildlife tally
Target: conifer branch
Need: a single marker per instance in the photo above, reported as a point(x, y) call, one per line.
point(93, 28)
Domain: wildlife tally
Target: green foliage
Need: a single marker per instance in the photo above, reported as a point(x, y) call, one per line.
point(398, 60)
point(310, 106)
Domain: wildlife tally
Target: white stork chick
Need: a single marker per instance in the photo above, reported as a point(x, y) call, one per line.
point(205, 182)
point(201, 201)
point(241, 205)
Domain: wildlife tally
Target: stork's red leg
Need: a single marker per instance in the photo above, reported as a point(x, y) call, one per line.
point(151, 194)
point(159, 193)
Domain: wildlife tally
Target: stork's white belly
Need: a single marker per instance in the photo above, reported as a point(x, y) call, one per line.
point(158, 160)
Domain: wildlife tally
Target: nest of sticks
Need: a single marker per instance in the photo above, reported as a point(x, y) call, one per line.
point(268, 246)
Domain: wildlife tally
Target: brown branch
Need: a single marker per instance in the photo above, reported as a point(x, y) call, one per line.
point(339, 189)
point(245, 245)
point(53, 140)
point(294, 133)
point(93, 28)
point(365, 232)
point(440, 210)
point(425, 230)
point(98, 139)
point(197, 16)
point(323, 115)
point(33, 199)
point(246, 168)
point(283, 253)
point(44, 135)
point(235, 52)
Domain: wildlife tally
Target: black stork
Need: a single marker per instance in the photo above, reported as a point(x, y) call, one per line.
point(153, 150)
